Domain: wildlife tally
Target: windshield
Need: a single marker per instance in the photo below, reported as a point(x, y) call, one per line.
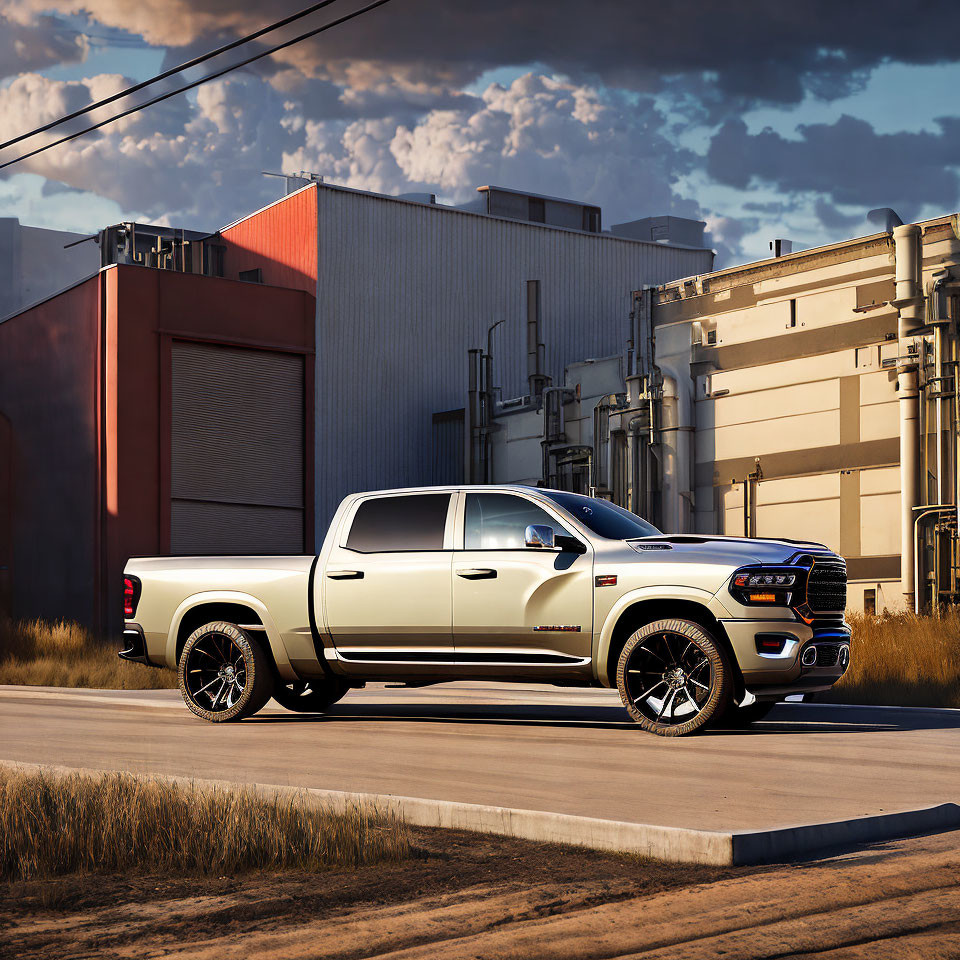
point(605, 519)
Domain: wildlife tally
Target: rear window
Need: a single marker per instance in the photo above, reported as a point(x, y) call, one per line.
point(390, 524)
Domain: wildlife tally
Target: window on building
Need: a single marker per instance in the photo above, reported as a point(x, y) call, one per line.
point(252, 276)
point(403, 523)
point(537, 210)
point(870, 603)
point(498, 521)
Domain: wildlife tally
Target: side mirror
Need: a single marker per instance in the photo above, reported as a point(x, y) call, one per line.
point(539, 536)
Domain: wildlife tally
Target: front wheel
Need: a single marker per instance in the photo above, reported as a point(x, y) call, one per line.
point(310, 696)
point(674, 678)
point(223, 675)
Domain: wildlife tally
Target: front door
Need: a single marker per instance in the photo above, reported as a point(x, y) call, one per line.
point(518, 604)
point(387, 582)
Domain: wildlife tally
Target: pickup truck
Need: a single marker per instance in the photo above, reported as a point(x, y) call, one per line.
point(509, 583)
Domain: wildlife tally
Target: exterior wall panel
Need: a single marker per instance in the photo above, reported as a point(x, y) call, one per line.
point(49, 394)
point(281, 240)
point(405, 289)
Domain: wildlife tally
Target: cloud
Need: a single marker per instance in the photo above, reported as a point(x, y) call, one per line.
point(752, 50)
point(44, 42)
point(847, 162)
point(540, 133)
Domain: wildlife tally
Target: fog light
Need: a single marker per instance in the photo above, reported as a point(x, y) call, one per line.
point(844, 655)
point(809, 657)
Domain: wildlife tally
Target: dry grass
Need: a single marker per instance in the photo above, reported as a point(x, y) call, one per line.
point(903, 660)
point(54, 824)
point(64, 654)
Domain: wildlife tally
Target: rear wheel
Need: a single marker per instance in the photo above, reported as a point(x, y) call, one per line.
point(674, 678)
point(310, 696)
point(224, 675)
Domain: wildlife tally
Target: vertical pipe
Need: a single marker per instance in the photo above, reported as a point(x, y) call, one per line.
point(473, 416)
point(909, 458)
point(909, 303)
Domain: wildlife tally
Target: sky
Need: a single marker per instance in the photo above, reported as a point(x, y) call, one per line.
point(763, 119)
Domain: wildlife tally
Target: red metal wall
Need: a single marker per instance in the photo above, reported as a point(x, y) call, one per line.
point(84, 410)
point(148, 310)
point(281, 240)
point(48, 394)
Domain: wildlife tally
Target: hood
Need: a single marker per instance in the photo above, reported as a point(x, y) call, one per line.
point(735, 551)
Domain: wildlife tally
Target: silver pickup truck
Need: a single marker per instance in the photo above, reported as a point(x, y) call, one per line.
point(509, 583)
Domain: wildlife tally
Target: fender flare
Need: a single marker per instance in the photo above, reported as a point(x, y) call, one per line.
point(604, 636)
point(277, 649)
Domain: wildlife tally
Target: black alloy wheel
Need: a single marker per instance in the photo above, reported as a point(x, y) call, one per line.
point(223, 675)
point(310, 696)
point(673, 677)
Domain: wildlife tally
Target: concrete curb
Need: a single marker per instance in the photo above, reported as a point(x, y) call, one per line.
point(675, 844)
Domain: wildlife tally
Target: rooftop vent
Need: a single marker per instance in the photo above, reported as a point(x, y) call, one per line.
point(780, 247)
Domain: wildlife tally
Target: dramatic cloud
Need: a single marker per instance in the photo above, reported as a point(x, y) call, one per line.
point(846, 161)
point(750, 49)
point(540, 134)
point(40, 44)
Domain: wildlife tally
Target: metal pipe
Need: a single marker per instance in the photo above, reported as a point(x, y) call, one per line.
point(909, 457)
point(909, 303)
point(924, 512)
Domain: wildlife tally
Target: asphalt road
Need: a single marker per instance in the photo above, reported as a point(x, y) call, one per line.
point(532, 747)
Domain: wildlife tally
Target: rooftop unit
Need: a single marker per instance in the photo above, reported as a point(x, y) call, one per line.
point(678, 231)
point(164, 248)
point(536, 208)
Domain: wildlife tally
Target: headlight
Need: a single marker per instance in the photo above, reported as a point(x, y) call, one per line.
point(764, 586)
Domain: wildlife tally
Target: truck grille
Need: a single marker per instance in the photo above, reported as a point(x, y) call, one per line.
point(827, 587)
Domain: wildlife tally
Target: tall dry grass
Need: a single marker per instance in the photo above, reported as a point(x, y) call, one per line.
point(64, 654)
point(903, 660)
point(52, 824)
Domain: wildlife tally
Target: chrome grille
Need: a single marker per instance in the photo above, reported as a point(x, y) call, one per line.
point(827, 587)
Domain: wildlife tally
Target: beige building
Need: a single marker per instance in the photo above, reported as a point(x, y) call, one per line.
point(809, 396)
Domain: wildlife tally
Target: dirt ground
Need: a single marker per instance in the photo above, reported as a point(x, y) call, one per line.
point(468, 896)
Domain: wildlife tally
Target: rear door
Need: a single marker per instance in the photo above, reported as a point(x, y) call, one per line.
point(513, 603)
point(387, 581)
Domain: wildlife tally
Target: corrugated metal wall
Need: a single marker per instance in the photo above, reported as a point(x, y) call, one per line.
point(281, 240)
point(405, 289)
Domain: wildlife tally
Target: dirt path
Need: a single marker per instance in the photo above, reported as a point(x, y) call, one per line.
point(490, 898)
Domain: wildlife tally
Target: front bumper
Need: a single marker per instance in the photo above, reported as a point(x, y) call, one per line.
point(813, 657)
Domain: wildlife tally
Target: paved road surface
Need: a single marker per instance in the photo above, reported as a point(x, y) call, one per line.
point(533, 747)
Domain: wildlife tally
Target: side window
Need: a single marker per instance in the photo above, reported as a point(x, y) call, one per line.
point(497, 521)
point(389, 524)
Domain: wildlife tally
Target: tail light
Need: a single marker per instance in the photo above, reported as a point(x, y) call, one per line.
point(131, 595)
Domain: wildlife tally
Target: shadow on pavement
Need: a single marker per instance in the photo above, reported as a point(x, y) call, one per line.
point(785, 719)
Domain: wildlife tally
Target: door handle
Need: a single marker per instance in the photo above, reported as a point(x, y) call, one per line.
point(477, 573)
point(345, 574)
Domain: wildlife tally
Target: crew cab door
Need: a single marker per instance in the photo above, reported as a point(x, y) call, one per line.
point(386, 582)
point(513, 603)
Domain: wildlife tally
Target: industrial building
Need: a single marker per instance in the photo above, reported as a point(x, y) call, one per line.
point(219, 393)
point(811, 395)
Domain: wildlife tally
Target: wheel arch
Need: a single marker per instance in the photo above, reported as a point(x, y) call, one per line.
point(638, 609)
point(233, 607)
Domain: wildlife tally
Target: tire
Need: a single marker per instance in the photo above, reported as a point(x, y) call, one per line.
point(223, 675)
point(739, 717)
point(310, 696)
point(682, 661)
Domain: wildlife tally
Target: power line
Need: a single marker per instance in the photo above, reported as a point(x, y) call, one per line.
point(169, 73)
point(197, 83)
